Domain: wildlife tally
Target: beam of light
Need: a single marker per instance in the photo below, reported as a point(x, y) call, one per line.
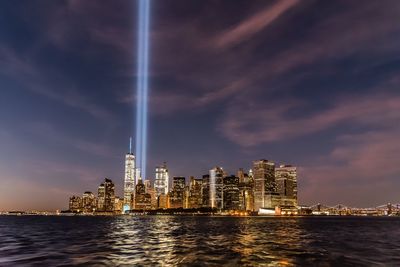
point(142, 85)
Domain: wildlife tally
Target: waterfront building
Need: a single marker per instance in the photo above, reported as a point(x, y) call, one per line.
point(176, 196)
point(142, 199)
point(246, 197)
point(106, 196)
point(216, 187)
point(265, 195)
point(186, 195)
point(231, 192)
point(161, 183)
point(195, 197)
point(286, 180)
point(163, 201)
point(147, 185)
point(88, 202)
point(75, 204)
point(130, 179)
point(118, 205)
point(205, 191)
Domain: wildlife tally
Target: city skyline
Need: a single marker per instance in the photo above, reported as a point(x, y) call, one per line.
point(283, 80)
point(266, 188)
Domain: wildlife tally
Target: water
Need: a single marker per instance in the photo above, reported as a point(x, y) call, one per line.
point(199, 241)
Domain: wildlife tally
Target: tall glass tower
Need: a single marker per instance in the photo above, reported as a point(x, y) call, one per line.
point(216, 187)
point(130, 179)
point(161, 183)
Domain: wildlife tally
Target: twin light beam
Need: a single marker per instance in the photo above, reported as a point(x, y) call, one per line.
point(142, 85)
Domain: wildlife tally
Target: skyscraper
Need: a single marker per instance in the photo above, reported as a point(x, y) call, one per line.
point(177, 193)
point(216, 187)
point(264, 184)
point(106, 196)
point(142, 198)
point(205, 191)
point(75, 204)
point(88, 202)
point(231, 192)
point(161, 181)
point(195, 197)
point(130, 179)
point(286, 179)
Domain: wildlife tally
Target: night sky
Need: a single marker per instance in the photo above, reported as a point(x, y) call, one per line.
point(309, 83)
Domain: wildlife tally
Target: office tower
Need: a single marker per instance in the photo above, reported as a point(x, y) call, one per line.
point(246, 196)
point(75, 204)
point(88, 202)
point(118, 205)
point(205, 191)
point(176, 196)
point(130, 179)
point(186, 195)
point(162, 179)
point(265, 195)
point(231, 192)
point(163, 201)
point(106, 196)
point(286, 180)
point(147, 185)
point(142, 198)
point(151, 191)
point(195, 197)
point(216, 187)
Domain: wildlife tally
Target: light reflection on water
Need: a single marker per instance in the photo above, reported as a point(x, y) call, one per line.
point(198, 241)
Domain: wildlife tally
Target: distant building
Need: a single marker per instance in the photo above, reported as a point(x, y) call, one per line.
point(216, 187)
point(161, 183)
point(195, 197)
point(286, 180)
point(75, 204)
point(142, 199)
point(246, 196)
point(205, 191)
point(118, 205)
point(264, 184)
point(106, 196)
point(231, 192)
point(177, 194)
point(88, 202)
point(147, 185)
point(163, 201)
point(130, 179)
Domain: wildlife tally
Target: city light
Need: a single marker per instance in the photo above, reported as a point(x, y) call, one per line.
point(142, 85)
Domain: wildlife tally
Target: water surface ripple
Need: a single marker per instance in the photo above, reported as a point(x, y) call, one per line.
point(199, 241)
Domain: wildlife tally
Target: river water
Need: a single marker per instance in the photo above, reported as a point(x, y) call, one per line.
point(199, 241)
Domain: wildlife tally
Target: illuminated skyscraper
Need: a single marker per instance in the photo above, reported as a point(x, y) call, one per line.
point(205, 191)
point(88, 202)
point(195, 198)
point(130, 179)
point(106, 196)
point(264, 184)
point(162, 179)
point(75, 204)
point(216, 187)
point(142, 199)
point(286, 179)
point(231, 192)
point(176, 196)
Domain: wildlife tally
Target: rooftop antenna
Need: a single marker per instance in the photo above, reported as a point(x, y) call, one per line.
point(130, 145)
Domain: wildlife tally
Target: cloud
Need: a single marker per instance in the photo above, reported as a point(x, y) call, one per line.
point(255, 123)
point(40, 80)
point(250, 26)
